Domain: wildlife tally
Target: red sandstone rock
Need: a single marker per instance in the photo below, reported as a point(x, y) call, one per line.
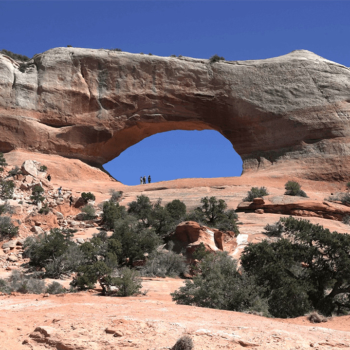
point(288, 113)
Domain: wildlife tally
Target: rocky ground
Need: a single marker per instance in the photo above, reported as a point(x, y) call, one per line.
point(79, 321)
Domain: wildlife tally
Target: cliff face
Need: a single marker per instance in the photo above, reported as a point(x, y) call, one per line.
point(289, 113)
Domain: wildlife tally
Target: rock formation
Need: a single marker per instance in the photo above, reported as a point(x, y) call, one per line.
point(289, 113)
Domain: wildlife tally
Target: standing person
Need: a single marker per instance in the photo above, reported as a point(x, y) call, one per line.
point(70, 201)
point(59, 190)
point(144, 179)
point(141, 180)
point(149, 179)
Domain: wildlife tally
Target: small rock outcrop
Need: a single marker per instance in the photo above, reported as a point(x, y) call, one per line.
point(289, 113)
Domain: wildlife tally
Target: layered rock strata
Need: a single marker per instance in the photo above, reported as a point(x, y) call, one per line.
point(289, 113)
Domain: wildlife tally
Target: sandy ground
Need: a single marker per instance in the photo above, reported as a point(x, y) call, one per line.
point(79, 321)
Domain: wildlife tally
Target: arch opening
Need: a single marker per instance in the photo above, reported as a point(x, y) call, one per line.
point(177, 154)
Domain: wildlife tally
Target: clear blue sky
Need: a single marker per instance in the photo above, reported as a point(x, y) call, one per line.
point(236, 30)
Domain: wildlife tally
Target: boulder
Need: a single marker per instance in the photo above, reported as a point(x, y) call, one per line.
point(38, 230)
point(59, 215)
point(9, 244)
point(12, 258)
point(80, 240)
point(30, 167)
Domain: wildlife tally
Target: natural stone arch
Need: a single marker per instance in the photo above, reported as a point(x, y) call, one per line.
point(291, 111)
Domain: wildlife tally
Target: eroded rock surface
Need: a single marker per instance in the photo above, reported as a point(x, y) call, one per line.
point(289, 113)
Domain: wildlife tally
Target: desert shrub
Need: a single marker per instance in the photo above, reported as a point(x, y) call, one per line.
point(116, 49)
point(44, 210)
point(128, 283)
point(21, 283)
point(4, 286)
point(89, 212)
point(348, 185)
point(345, 198)
point(43, 168)
point(215, 58)
point(142, 209)
point(176, 209)
point(111, 213)
point(305, 270)
point(221, 286)
point(7, 229)
point(346, 220)
point(55, 288)
point(315, 317)
point(115, 195)
point(7, 188)
point(2, 162)
point(172, 55)
point(5, 208)
point(37, 192)
point(183, 343)
point(162, 264)
point(293, 188)
point(49, 250)
point(15, 56)
point(135, 239)
point(200, 253)
point(88, 196)
point(213, 213)
point(274, 230)
point(256, 192)
point(14, 171)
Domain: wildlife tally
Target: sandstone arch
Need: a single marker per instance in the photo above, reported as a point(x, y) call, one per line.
point(287, 112)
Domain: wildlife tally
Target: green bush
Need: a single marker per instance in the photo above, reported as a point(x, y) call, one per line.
point(162, 264)
point(44, 210)
point(128, 283)
point(37, 192)
point(293, 188)
point(87, 196)
point(15, 56)
point(2, 162)
point(215, 58)
point(200, 253)
point(115, 195)
point(50, 251)
point(7, 229)
point(43, 168)
point(183, 343)
point(274, 230)
point(89, 212)
point(111, 213)
point(176, 209)
point(308, 269)
point(7, 188)
point(346, 220)
point(15, 171)
point(55, 288)
point(348, 185)
point(19, 282)
point(213, 213)
point(256, 192)
point(345, 198)
point(221, 286)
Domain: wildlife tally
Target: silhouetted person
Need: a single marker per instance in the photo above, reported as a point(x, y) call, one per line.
point(70, 201)
point(141, 181)
point(149, 179)
point(49, 177)
point(144, 179)
point(59, 190)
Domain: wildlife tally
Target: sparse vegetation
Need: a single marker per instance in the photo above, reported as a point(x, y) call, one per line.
point(14, 171)
point(7, 228)
point(88, 196)
point(55, 288)
point(293, 188)
point(44, 210)
point(256, 192)
point(115, 195)
point(89, 212)
point(183, 343)
point(37, 192)
point(2, 162)
point(43, 168)
point(215, 58)
point(7, 188)
point(274, 230)
point(315, 317)
point(116, 49)
point(15, 56)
